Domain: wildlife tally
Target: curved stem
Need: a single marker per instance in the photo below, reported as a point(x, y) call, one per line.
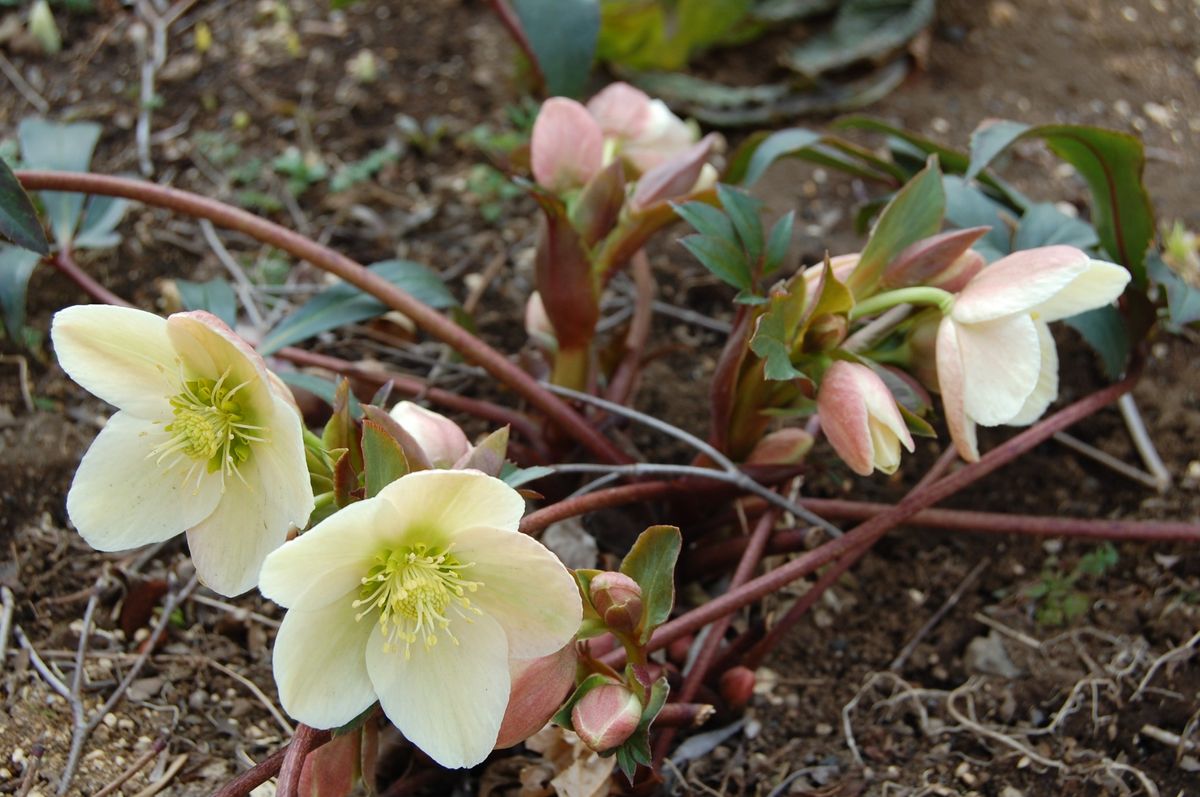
point(944, 300)
point(303, 742)
point(601, 499)
point(263, 771)
point(879, 525)
point(471, 347)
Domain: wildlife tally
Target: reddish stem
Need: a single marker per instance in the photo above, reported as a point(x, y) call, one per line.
point(879, 525)
point(263, 771)
point(601, 499)
point(625, 377)
point(471, 347)
point(303, 742)
point(65, 262)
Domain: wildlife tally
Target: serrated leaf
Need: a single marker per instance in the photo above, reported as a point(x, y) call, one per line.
point(383, 458)
point(706, 220)
point(16, 267)
point(726, 261)
point(915, 212)
point(19, 222)
point(59, 147)
point(651, 563)
point(1110, 162)
point(215, 296)
point(1105, 331)
point(778, 242)
point(344, 304)
point(743, 211)
point(563, 35)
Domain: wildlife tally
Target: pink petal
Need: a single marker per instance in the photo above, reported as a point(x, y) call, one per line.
point(950, 382)
point(567, 147)
point(1019, 283)
point(621, 110)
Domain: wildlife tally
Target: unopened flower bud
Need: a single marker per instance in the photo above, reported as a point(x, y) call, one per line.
point(737, 687)
point(922, 347)
point(567, 146)
point(943, 261)
point(606, 716)
point(826, 332)
point(784, 447)
point(618, 600)
point(539, 687)
point(861, 419)
point(439, 437)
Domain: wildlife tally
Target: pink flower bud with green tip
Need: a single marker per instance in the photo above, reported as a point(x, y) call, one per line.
point(861, 419)
point(567, 146)
point(606, 716)
point(996, 359)
point(618, 600)
point(442, 440)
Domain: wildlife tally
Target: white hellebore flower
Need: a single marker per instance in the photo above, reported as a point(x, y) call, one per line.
point(996, 360)
point(206, 441)
point(418, 598)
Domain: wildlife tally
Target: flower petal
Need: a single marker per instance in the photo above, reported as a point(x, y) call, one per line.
point(436, 504)
point(449, 699)
point(120, 355)
point(1001, 361)
point(329, 560)
point(525, 587)
point(621, 110)
point(320, 664)
point(122, 497)
point(1018, 283)
point(950, 383)
point(566, 148)
point(1097, 286)
point(844, 418)
point(210, 349)
point(257, 510)
point(1047, 385)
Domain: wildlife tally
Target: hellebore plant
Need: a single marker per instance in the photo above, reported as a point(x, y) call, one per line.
point(207, 441)
point(861, 419)
point(418, 598)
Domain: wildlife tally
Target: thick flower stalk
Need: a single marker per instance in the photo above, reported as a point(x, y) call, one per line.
point(206, 441)
point(861, 419)
point(418, 598)
point(996, 359)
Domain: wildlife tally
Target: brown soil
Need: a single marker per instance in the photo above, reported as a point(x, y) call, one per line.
point(445, 64)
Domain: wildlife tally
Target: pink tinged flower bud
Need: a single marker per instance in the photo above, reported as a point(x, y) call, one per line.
point(618, 600)
point(621, 110)
point(539, 687)
point(606, 716)
point(675, 178)
point(784, 447)
point(567, 146)
point(737, 687)
point(842, 266)
point(443, 442)
point(943, 261)
point(861, 419)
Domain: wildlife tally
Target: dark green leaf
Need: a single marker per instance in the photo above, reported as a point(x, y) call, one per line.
point(383, 457)
point(562, 34)
point(16, 266)
point(862, 30)
point(345, 304)
point(18, 220)
point(915, 212)
point(743, 211)
point(967, 206)
point(778, 242)
point(60, 147)
point(725, 260)
point(651, 563)
point(1045, 225)
point(1105, 331)
point(780, 144)
point(216, 296)
point(706, 220)
point(1111, 163)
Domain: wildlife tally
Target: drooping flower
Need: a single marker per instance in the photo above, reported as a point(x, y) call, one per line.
point(418, 598)
point(442, 440)
point(643, 131)
point(861, 419)
point(996, 359)
point(566, 147)
point(206, 440)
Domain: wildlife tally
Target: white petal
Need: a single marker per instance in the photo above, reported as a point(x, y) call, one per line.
point(329, 560)
point(435, 504)
point(257, 510)
point(525, 587)
point(1018, 283)
point(122, 498)
point(1001, 361)
point(448, 700)
point(119, 354)
point(950, 384)
point(886, 448)
point(210, 350)
point(320, 664)
point(1047, 385)
point(1096, 287)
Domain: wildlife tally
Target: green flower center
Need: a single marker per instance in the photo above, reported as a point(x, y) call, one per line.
point(415, 590)
point(209, 425)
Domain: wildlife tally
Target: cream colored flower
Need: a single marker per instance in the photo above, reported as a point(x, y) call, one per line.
point(996, 359)
point(418, 598)
point(206, 441)
point(861, 419)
